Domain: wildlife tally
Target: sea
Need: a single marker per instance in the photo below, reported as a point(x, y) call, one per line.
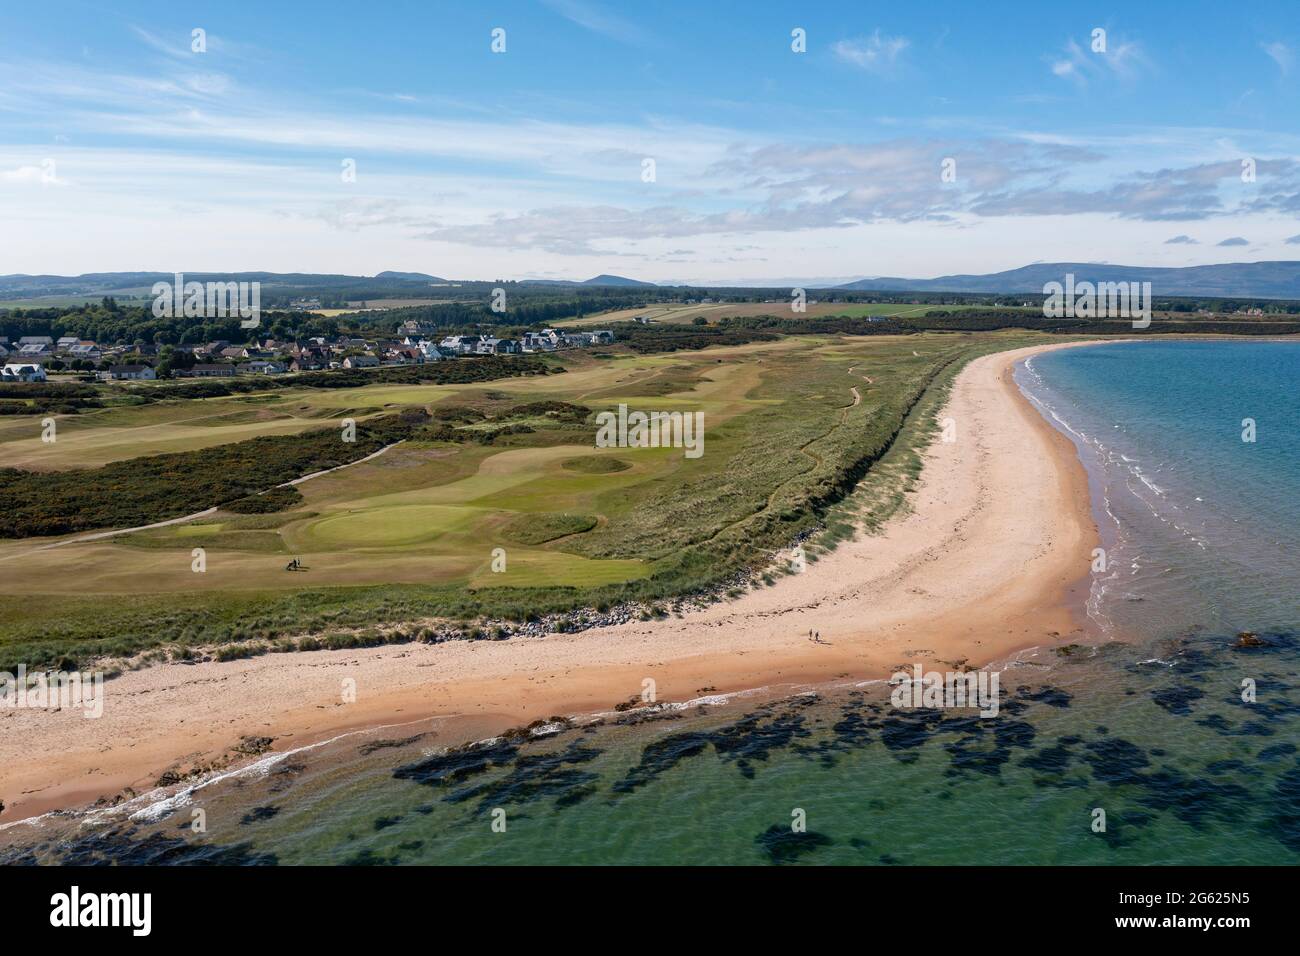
point(1168, 736)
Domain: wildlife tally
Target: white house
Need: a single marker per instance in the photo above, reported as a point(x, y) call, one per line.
point(22, 372)
point(462, 344)
point(489, 346)
point(543, 341)
point(119, 373)
point(432, 353)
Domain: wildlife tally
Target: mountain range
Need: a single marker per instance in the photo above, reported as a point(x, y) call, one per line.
point(1263, 280)
point(1269, 280)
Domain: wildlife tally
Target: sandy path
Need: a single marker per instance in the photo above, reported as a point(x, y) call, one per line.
point(991, 559)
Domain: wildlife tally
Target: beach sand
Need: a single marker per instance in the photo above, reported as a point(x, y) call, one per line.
point(991, 558)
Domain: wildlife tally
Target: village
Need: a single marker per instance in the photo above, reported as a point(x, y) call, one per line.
point(33, 357)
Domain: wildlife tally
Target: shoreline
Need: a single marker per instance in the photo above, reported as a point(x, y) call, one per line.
point(992, 558)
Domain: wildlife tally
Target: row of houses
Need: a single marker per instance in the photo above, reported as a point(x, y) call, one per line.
point(221, 358)
point(43, 349)
point(550, 340)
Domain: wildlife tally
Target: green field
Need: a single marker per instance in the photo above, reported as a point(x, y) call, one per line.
point(714, 312)
point(412, 535)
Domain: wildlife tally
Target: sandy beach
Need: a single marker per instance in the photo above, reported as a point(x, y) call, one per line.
point(991, 557)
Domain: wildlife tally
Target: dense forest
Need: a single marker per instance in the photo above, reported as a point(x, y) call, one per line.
point(108, 322)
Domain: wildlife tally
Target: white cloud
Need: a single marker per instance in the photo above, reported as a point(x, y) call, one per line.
point(29, 175)
point(877, 53)
point(1124, 60)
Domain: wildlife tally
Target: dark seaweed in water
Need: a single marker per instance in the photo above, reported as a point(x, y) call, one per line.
point(1275, 752)
point(753, 737)
point(1115, 760)
point(1251, 728)
point(908, 729)
point(1194, 799)
point(257, 814)
point(122, 846)
point(536, 776)
point(972, 752)
point(1052, 696)
point(783, 845)
point(457, 764)
point(661, 755)
point(1054, 760)
point(1177, 700)
point(1284, 820)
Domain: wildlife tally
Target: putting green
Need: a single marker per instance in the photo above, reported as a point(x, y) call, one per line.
point(391, 527)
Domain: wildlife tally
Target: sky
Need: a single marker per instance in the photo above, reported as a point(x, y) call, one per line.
point(671, 142)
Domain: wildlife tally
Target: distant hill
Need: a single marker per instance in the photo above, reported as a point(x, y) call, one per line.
point(410, 276)
point(96, 284)
point(616, 280)
point(1265, 280)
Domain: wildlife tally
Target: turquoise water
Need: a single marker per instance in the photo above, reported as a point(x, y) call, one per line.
point(1148, 726)
point(1200, 526)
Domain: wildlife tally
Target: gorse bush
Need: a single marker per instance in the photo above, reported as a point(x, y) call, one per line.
point(159, 487)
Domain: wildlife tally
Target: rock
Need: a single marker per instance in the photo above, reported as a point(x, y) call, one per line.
point(1248, 639)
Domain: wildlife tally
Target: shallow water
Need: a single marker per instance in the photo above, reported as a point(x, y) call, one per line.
point(1149, 726)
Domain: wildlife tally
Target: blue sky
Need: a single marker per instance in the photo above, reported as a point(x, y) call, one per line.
point(123, 148)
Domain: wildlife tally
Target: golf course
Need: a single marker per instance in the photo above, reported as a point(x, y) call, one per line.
point(497, 505)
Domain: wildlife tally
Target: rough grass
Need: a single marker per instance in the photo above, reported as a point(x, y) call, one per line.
point(595, 465)
point(536, 529)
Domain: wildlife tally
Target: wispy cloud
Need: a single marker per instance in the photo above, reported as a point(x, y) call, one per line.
point(1234, 241)
point(1122, 59)
point(592, 17)
point(1281, 54)
point(878, 53)
point(1181, 241)
point(177, 47)
point(30, 175)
